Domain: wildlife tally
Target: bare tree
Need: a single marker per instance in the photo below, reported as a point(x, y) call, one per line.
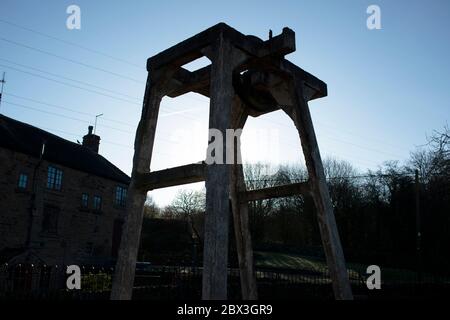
point(433, 159)
point(151, 210)
point(189, 204)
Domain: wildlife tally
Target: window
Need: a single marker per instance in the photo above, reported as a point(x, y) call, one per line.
point(23, 181)
point(84, 200)
point(97, 203)
point(50, 220)
point(121, 196)
point(54, 178)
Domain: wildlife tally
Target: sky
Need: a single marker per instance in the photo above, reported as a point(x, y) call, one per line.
point(387, 88)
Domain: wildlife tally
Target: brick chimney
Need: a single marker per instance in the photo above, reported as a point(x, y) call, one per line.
point(91, 140)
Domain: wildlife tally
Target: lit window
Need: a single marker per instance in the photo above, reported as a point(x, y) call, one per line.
point(23, 181)
point(84, 200)
point(121, 196)
point(54, 178)
point(97, 203)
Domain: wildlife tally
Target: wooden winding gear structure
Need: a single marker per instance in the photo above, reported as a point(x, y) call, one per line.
point(247, 77)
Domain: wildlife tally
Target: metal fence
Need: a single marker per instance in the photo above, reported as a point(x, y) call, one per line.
point(178, 282)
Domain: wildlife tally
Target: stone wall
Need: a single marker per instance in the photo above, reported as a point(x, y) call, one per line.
point(83, 235)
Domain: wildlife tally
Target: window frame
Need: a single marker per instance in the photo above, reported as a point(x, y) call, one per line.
point(20, 180)
point(120, 196)
point(54, 178)
point(85, 200)
point(94, 202)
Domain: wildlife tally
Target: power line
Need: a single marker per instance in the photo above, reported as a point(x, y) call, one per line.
point(1, 90)
point(362, 147)
point(71, 43)
point(88, 122)
point(348, 132)
point(73, 61)
point(79, 120)
point(86, 113)
point(68, 109)
point(63, 116)
point(70, 79)
point(367, 162)
point(103, 140)
point(110, 127)
point(322, 124)
point(95, 92)
point(363, 176)
point(82, 47)
point(70, 60)
point(190, 118)
point(47, 112)
point(340, 140)
point(103, 70)
point(352, 159)
point(70, 85)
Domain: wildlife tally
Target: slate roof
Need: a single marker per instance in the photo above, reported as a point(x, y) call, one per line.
point(24, 138)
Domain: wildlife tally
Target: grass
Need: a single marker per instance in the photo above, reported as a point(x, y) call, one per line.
point(286, 261)
point(96, 282)
point(278, 260)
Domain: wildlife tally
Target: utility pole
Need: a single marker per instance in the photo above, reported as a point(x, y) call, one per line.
point(418, 228)
point(3, 81)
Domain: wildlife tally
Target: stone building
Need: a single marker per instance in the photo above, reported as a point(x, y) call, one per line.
point(61, 203)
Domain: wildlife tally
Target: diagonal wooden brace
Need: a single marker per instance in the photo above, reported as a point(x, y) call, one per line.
point(301, 116)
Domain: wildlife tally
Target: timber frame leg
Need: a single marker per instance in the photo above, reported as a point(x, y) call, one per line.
point(215, 249)
point(240, 214)
point(122, 286)
point(301, 116)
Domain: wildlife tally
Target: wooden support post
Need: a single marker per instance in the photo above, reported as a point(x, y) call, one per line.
point(122, 286)
point(327, 224)
point(240, 215)
point(215, 252)
point(243, 238)
point(418, 227)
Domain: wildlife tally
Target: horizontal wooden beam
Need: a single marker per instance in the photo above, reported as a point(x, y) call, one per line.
point(288, 190)
point(191, 49)
point(171, 177)
point(185, 51)
point(185, 81)
point(279, 45)
point(311, 81)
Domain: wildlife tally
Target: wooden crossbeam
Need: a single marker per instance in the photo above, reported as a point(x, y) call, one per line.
point(171, 177)
point(198, 81)
point(185, 81)
point(318, 86)
point(284, 44)
point(301, 188)
point(191, 49)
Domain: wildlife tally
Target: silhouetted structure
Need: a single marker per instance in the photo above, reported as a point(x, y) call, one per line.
point(247, 77)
